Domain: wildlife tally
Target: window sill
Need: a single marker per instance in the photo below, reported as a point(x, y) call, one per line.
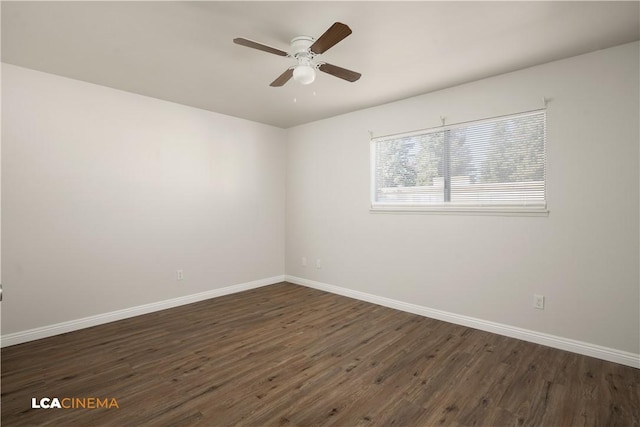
point(461, 210)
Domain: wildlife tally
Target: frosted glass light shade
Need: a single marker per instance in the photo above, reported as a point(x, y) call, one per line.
point(304, 74)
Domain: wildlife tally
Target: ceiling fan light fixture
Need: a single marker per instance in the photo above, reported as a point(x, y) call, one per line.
point(304, 74)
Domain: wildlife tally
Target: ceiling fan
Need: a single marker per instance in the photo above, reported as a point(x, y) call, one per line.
point(305, 50)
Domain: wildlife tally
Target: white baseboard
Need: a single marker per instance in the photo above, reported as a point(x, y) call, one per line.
point(580, 347)
point(87, 322)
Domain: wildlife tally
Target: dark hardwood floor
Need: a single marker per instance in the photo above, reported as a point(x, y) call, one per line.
point(286, 355)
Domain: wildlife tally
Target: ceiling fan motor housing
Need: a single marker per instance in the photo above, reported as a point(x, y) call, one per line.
point(300, 46)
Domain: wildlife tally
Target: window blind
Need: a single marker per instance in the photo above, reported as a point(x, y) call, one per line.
point(497, 162)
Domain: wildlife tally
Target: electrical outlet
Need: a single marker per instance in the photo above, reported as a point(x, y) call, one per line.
point(318, 263)
point(304, 261)
point(179, 274)
point(538, 301)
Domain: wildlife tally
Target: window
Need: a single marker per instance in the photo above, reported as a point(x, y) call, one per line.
point(494, 165)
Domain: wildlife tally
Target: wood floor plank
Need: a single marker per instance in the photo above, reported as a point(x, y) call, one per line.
point(285, 355)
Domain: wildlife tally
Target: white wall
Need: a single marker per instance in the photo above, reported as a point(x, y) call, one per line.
point(106, 193)
point(584, 257)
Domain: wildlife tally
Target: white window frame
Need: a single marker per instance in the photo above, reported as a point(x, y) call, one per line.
point(537, 209)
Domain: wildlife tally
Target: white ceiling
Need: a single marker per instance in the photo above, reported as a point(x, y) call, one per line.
point(183, 51)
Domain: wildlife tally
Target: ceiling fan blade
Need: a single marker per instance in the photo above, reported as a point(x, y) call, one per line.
point(336, 33)
point(262, 47)
point(284, 77)
point(343, 73)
